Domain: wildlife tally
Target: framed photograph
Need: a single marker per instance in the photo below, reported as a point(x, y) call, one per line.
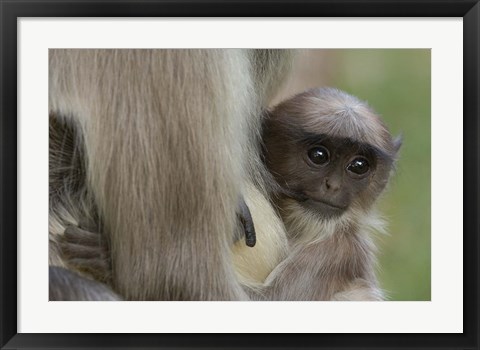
point(363, 116)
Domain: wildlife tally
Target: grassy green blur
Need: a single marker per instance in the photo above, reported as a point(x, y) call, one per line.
point(396, 83)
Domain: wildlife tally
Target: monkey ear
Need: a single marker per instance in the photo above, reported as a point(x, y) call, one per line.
point(397, 143)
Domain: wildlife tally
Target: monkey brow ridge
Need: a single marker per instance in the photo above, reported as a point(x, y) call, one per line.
point(311, 139)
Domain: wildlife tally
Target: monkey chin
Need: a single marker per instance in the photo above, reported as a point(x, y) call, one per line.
point(323, 209)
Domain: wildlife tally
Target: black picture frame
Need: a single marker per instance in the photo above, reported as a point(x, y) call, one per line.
point(12, 10)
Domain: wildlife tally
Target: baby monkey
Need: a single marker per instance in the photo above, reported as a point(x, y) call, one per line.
point(330, 156)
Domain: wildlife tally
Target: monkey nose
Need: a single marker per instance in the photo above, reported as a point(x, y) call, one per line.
point(332, 185)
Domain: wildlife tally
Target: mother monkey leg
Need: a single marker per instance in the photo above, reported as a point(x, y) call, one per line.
point(170, 138)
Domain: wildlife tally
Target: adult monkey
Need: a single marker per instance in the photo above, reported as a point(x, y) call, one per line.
point(169, 142)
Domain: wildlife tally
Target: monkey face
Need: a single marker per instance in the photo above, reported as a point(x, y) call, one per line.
point(328, 151)
point(328, 175)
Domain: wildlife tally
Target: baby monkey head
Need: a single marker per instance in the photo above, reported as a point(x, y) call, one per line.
point(328, 151)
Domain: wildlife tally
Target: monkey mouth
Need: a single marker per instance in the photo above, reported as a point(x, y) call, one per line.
point(317, 206)
point(322, 207)
point(319, 203)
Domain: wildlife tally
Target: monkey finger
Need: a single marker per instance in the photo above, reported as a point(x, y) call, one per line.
point(247, 223)
point(250, 236)
point(98, 268)
point(72, 250)
point(249, 230)
point(77, 235)
point(88, 224)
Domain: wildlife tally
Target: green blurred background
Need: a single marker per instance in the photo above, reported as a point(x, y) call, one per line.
point(396, 83)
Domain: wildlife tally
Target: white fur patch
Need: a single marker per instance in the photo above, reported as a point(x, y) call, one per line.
point(305, 227)
point(253, 265)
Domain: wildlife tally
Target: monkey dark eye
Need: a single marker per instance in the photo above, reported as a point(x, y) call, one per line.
point(358, 166)
point(319, 155)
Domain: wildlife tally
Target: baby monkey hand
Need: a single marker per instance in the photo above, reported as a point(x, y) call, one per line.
point(86, 251)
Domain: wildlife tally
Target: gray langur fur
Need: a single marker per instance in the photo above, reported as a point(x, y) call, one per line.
point(331, 156)
point(66, 285)
point(168, 143)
